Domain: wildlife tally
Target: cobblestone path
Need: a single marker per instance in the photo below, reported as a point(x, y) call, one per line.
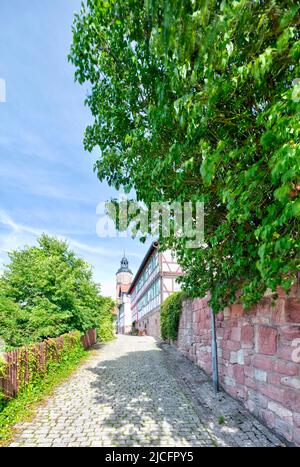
point(132, 392)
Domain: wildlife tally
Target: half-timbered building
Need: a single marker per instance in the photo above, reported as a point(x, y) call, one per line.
point(154, 281)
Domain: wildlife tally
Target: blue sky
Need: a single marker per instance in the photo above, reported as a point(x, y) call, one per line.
point(47, 180)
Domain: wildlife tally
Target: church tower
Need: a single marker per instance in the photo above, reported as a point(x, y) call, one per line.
point(124, 279)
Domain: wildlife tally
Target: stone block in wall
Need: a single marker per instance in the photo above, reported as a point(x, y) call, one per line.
point(235, 334)
point(285, 351)
point(227, 312)
point(240, 357)
point(292, 399)
point(284, 428)
point(229, 381)
point(196, 304)
point(238, 371)
point(248, 353)
point(273, 392)
point(241, 393)
point(250, 383)
point(187, 304)
point(290, 332)
point(247, 336)
point(262, 320)
point(279, 410)
point(236, 310)
point(280, 292)
point(266, 339)
point(294, 290)
point(252, 407)
point(225, 354)
point(232, 345)
point(292, 310)
point(278, 312)
point(249, 371)
point(260, 375)
point(228, 370)
point(263, 308)
point(258, 399)
point(291, 382)
point(268, 417)
point(274, 379)
point(263, 362)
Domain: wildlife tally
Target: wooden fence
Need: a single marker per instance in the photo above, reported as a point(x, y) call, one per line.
point(18, 369)
point(89, 338)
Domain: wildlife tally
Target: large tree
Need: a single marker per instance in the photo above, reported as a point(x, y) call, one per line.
point(45, 291)
point(199, 100)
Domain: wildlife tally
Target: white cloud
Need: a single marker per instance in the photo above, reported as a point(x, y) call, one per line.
point(42, 186)
point(19, 236)
point(5, 219)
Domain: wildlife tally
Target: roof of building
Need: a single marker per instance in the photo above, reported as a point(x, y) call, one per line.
point(123, 288)
point(142, 265)
point(124, 266)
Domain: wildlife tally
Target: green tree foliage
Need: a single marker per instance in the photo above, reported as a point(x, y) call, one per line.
point(199, 100)
point(105, 328)
point(12, 318)
point(170, 316)
point(47, 291)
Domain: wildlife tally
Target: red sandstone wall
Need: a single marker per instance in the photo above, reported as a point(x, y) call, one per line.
point(259, 355)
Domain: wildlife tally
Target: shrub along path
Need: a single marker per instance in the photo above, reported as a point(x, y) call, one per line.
point(130, 394)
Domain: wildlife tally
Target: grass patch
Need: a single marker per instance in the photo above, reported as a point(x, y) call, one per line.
point(22, 407)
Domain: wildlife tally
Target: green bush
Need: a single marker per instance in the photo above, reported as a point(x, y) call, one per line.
point(170, 315)
point(105, 328)
point(12, 319)
point(47, 291)
point(3, 366)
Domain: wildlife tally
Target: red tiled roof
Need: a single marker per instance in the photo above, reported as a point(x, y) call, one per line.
point(123, 288)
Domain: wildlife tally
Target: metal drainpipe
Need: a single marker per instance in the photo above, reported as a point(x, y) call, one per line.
point(214, 353)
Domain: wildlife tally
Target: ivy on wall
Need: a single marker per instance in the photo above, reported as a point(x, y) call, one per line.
point(106, 322)
point(170, 312)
